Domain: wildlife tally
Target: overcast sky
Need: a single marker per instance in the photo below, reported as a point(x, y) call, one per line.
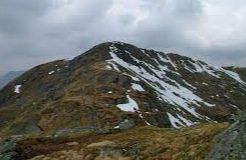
point(37, 31)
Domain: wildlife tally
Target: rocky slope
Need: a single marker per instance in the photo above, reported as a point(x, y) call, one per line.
point(240, 70)
point(114, 82)
point(231, 143)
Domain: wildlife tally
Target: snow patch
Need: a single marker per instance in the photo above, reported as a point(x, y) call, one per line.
point(131, 106)
point(234, 106)
point(188, 84)
point(187, 122)
point(175, 122)
point(146, 122)
point(167, 60)
point(234, 76)
point(108, 67)
point(199, 68)
point(114, 66)
point(204, 83)
point(17, 89)
point(51, 72)
point(172, 93)
point(137, 87)
point(132, 77)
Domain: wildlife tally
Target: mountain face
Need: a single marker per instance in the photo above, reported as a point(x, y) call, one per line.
point(116, 84)
point(5, 79)
point(241, 71)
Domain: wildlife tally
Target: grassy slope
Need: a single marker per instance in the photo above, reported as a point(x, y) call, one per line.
point(146, 142)
point(85, 101)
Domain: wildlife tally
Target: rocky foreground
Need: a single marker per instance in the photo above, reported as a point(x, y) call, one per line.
point(231, 143)
point(137, 143)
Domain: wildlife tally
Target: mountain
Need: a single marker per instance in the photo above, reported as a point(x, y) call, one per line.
point(116, 81)
point(240, 70)
point(114, 87)
point(5, 79)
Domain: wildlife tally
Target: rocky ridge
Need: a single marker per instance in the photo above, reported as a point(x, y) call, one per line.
point(114, 82)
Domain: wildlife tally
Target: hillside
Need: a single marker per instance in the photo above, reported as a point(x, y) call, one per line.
point(114, 90)
point(240, 70)
point(242, 73)
point(117, 81)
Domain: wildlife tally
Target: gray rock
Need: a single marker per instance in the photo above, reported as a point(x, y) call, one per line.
point(231, 144)
point(7, 147)
point(126, 124)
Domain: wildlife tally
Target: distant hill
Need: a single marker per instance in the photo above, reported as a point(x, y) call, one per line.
point(5, 79)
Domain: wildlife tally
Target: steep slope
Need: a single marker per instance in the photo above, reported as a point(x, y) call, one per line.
point(242, 73)
point(114, 82)
point(240, 70)
point(5, 79)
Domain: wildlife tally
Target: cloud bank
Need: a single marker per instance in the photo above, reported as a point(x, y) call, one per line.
point(34, 31)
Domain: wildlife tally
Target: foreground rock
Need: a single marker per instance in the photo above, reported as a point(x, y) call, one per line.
point(231, 144)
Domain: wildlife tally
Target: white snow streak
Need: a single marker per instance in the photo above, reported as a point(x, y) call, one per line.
point(187, 122)
point(167, 89)
point(137, 87)
point(131, 106)
point(173, 94)
point(17, 89)
point(51, 72)
point(175, 122)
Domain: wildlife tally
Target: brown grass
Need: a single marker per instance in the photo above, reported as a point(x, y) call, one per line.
point(145, 142)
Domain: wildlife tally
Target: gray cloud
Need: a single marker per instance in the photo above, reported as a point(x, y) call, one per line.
point(34, 31)
point(16, 16)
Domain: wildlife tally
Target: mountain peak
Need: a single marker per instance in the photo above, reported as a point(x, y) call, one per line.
point(115, 81)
